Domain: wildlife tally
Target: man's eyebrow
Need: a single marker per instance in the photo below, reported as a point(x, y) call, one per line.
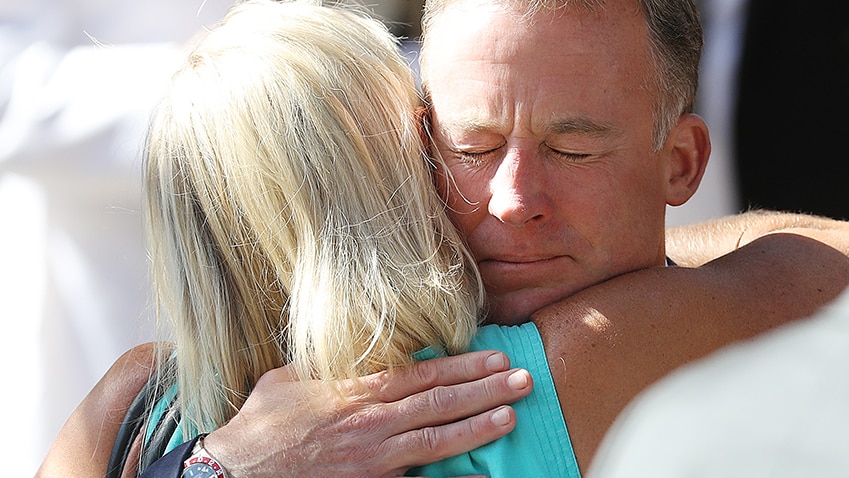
point(470, 125)
point(584, 126)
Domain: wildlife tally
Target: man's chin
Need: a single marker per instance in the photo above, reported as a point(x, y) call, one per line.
point(516, 308)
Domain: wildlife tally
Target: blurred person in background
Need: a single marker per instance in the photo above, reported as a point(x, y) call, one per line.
point(792, 104)
point(772, 407)
point(77, 82)
point(773, 92)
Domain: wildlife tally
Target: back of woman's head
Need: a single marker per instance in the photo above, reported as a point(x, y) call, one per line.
point(292, 212)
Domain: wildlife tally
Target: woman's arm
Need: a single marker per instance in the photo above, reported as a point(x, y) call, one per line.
point(607, 343)
point(84, 443)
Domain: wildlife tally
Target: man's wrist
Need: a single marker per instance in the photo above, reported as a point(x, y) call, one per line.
point(171, 464)
point(201, 463)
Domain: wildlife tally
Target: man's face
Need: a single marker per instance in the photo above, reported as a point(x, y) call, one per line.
point(546, 127)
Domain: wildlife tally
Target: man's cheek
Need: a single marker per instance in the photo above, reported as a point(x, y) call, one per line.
point(443, 182)
point(465, 206)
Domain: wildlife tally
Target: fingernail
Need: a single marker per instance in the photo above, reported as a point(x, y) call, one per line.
point(501, 417)
point(496, 362)
point(518, 380)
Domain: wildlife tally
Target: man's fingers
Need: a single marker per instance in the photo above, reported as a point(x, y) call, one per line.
point(445, 404)
point(443, 371)
point(430, 444)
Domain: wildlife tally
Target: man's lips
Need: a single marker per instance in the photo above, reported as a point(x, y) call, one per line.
point(519, 260)
point(517, 265)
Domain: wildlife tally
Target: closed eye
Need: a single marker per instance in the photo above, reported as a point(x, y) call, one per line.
point(571, 157)
point(567, 156)
point(477, 158)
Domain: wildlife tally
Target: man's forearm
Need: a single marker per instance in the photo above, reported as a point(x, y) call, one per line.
point(698, 244)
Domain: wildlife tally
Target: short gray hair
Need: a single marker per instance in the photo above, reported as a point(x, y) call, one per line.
point(675, 36)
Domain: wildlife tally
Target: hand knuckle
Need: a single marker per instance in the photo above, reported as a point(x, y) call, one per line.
point(375, 383)
point(493, 387)
point(443, 399)
point(362, 419)
point(425, 373)
point(427, 440)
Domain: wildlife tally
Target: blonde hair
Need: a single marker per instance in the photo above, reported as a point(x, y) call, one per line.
point(292, 210)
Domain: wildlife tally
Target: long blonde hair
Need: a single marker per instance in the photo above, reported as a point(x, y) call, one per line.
point(292, 214)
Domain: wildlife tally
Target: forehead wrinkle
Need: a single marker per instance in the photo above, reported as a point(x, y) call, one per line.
point(582, 125)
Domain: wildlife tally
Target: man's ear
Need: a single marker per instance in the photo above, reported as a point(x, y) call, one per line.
point(687, 149)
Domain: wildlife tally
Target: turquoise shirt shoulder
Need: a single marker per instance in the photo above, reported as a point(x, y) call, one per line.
point(540, 444)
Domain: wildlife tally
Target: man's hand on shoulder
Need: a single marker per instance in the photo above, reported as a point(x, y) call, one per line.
point(379, 425)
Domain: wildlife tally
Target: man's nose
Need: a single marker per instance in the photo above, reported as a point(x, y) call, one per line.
point(518, 189)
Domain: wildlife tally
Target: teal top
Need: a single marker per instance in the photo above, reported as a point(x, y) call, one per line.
point(538, 446)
